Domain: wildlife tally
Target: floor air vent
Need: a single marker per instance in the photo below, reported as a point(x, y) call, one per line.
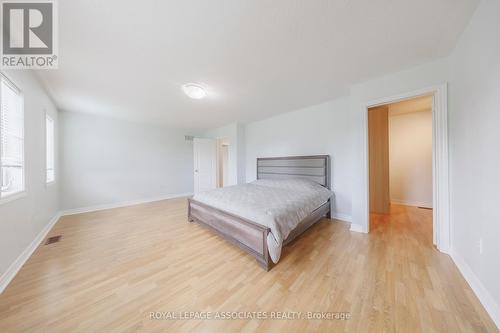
point(53, 239)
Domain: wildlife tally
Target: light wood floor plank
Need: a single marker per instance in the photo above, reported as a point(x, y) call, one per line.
point(112, 268)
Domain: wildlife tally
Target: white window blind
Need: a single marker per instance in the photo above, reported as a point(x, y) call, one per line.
point(11, 139)
point(49, 149)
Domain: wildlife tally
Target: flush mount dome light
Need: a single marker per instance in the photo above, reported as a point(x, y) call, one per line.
point(194, 90)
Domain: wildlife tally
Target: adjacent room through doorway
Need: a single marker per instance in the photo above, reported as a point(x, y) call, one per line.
point(222, 162)
point(400, 165)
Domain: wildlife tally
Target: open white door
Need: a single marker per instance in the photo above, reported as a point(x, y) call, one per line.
point(205, 164)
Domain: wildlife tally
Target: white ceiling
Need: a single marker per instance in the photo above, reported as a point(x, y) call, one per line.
point(128, 59)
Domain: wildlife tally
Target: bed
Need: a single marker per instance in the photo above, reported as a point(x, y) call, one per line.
point(289, 196)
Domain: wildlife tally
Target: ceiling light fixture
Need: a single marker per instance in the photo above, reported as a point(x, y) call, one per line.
point(194, 90)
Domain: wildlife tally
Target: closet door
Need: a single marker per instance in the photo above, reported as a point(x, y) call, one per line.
point(378, 145)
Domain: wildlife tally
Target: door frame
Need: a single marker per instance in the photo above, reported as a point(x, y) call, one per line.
point(220, 141)
point(441, 226)
point(196, 171)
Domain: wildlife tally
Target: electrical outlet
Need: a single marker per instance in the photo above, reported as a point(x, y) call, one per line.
point(480, 246)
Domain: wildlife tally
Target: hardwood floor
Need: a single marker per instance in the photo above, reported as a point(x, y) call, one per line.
point(112, 268)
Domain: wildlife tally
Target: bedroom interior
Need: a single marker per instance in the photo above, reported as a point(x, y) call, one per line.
point(241, 166)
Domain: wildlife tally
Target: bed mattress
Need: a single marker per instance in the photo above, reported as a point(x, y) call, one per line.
point(279, 204)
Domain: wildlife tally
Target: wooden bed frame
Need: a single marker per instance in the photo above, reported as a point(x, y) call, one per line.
point(251, 236)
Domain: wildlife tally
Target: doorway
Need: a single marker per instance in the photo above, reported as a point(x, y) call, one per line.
point(211, 163)
point(400, 153)
point(440, 180)
point(223, 162)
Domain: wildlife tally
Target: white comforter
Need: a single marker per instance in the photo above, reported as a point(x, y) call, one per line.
point(277, 204)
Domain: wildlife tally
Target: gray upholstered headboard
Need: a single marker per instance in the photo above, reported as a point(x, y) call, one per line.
point(315, 168)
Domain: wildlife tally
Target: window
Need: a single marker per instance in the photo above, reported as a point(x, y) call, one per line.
point(49, 149)
point(11, 139)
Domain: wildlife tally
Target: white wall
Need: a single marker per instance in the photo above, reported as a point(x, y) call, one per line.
point(410, 158)
point(109, 161)
point(23, 219)
point(316, 130)
point(427, 75)
point(474, 121)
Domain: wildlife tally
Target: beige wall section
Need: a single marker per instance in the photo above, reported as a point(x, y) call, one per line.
point(222, 162)
point(410, 152)
point(411, 105)
point(378, 138)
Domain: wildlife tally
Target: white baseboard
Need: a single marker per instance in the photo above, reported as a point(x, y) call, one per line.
point(11, 272)
point(88, 209)
point(357, 228)
point(342, 217)
point(411, 203)
point(489, 303)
